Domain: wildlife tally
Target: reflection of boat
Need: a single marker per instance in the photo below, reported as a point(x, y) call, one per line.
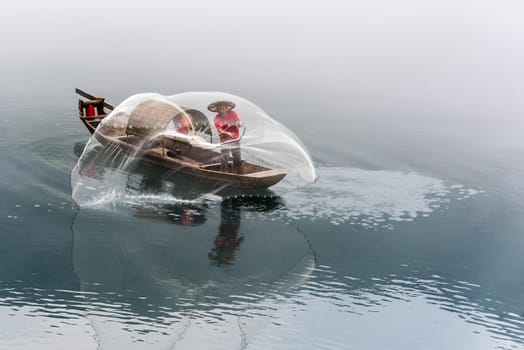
point(172, 151)
point(180, 213)
point(192, 213)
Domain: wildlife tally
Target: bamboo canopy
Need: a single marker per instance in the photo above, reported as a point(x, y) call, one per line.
point(150, 117)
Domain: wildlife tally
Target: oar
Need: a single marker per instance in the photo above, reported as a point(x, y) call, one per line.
point(91, 97)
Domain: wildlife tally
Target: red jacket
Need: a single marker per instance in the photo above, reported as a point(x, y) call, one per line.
point(184, 124)
point(228, 124)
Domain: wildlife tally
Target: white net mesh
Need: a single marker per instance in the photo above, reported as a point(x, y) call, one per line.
point(194, 144)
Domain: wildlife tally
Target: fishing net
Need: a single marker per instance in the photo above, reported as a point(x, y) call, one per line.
point(162, 148)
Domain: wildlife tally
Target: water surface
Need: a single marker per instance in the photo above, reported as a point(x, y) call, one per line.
point(411, 238)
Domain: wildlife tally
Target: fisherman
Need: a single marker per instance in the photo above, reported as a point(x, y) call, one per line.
point(183, 122)
point(228, 124)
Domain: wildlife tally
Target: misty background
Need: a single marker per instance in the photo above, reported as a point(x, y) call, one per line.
point(440, 79)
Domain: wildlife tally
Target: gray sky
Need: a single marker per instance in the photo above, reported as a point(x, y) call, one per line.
point(409, 52)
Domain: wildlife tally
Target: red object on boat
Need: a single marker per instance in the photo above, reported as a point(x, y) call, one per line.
point(90, 111)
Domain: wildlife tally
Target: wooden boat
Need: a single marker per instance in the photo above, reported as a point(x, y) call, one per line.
point(171, 152)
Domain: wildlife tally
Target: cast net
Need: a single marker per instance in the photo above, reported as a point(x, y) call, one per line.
point(188, 147)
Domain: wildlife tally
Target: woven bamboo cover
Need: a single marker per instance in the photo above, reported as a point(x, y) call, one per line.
point(151, 117)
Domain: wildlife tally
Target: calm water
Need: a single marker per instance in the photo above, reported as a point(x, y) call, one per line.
point(411, 239)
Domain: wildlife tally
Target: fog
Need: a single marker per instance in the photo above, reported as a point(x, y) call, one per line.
point(349, 59)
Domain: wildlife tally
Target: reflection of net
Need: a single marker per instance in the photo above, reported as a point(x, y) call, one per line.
point(157, 277)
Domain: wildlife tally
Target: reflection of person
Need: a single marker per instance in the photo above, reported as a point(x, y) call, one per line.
point(227, 241)
point(227, 123)
point(186, 217)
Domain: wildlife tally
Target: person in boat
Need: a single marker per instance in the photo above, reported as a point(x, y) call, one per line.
point(183, 122)
point(228, 124)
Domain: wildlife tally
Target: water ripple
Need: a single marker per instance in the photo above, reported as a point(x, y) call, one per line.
point(370, 199)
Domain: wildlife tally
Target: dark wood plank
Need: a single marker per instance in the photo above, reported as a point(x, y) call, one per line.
point(91, 97)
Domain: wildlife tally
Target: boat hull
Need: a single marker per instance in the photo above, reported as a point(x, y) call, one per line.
point(205, 166)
